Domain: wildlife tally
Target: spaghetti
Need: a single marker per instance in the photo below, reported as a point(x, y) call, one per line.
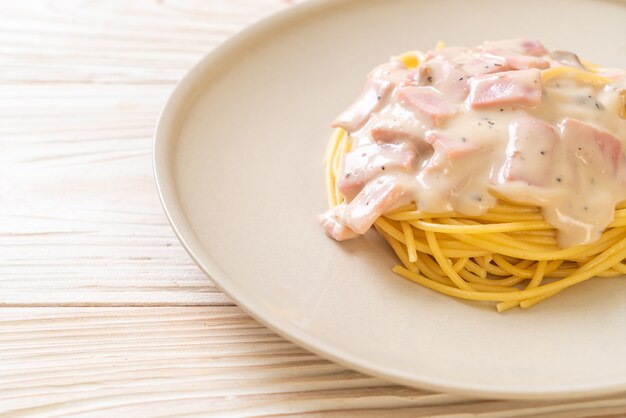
point(476, 191)
point(508, 255)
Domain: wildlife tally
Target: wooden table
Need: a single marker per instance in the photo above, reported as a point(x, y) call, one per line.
point(101, 310)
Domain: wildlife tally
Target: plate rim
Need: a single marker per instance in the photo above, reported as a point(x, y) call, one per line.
point(182, 97)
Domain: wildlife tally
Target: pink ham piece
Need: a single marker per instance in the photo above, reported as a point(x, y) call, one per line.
point(480, 64)
point(369, 161)
point(375, 93)
point(532, 47)
point(444, 75)
point(377, 198)
point(524, 62)
point(513, 61)
point(599, 150)
point(426, 103)
point(506, 89)
point(334, 228)
point(522, 46)
point(530, 153)
point(496, 60)
point(448, 148)
point(392, 131)
point(400, 126)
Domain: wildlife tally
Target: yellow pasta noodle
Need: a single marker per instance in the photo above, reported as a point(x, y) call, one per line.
point(508, 256)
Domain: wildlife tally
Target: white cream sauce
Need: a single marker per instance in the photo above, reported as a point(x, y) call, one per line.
point(564, 153)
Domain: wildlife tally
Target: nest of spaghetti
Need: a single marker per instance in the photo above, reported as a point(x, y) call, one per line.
point(509, 255)
point(529, 142)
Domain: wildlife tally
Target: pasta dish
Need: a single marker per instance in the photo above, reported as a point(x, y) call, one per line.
point(495, 173)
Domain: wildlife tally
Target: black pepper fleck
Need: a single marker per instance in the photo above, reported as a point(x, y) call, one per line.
point(430, 79)
point(501, 110)
point(461, 78)
point(382, 168)
point(559, 179)
point(543, 153)
point(464, 139)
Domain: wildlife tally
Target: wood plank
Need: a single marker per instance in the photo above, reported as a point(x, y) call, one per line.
point(81, 87)
point(141, 41)
point(170, 361)
point(80, 219)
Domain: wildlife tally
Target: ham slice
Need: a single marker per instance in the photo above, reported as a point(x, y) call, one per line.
point(377, 198)
point(334, 228)
point(508, 88)
point(524, 62)
point(448, 147)
point(426, 103)
point(480, 64)
point(493, 57)
point(531, 152)
point(444, 75)
point(375, 92)
point(495, 61)
point(513, 61)
point(599, 150)
point(391, 131)
point(520, 45)
point(399, 124)
point(369, 161)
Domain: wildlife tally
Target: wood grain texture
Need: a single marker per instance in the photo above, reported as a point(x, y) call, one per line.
point(101, 310)
point(190, 361)
point(80, 219)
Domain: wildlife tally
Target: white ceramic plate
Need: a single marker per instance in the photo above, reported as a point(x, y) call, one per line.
point(238, 161)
